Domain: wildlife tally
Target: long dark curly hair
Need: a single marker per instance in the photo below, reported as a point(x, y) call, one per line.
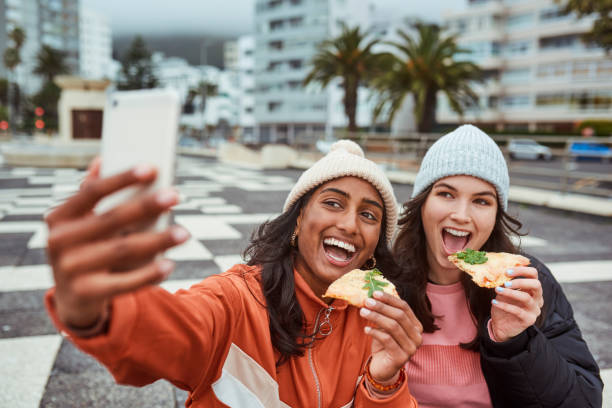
point(410, 248)
point(270, 247)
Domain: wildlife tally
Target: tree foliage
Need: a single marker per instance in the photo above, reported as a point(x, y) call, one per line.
point(601, 33)
point(137, 67)
point(350, 58)
point(47, 98)
point(50, 62)
point(12, 57)
point(427, 64)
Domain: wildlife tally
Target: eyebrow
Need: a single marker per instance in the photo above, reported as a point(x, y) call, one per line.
point(347, 195)
point(482, 193)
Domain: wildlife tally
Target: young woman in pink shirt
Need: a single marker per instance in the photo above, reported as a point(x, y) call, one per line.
point(512, 346)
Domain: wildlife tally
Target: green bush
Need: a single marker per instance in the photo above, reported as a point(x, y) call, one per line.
point(600, 126)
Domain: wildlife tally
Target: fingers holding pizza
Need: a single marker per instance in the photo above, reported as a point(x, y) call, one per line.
point(395, 330)
point(518, 302)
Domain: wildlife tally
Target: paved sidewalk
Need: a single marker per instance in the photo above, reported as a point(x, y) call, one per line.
point(220, 206)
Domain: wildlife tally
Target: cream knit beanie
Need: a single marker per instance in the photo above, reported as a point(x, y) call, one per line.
point(346, 158)
point(465, 151)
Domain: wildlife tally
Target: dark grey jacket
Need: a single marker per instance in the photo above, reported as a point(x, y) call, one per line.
point(545, 366)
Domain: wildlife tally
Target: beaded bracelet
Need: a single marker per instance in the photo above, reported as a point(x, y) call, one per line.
point(385, 388)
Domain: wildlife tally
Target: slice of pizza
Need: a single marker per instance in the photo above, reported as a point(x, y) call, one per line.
point(487, 269)
point(357, 285)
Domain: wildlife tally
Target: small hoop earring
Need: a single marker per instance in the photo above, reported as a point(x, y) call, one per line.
point(373, 260)
point(293, 237)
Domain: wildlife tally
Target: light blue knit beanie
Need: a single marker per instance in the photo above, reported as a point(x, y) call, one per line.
point(465, 151)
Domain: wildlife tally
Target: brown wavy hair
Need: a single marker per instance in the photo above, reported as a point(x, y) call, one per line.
point(271, 248)
point(411, 246)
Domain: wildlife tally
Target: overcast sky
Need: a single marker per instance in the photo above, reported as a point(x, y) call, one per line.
point(228, 17)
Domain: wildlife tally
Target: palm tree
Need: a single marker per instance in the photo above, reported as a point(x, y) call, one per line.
point(50, 62)
point(349, 57)
point(11, 59)
point(426, 66)
point(601, 32)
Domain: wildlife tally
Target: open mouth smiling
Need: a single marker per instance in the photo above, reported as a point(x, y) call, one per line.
point(339, 252)
point(455, 240)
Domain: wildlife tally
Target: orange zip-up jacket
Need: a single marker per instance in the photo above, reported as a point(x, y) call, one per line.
point(213, 340)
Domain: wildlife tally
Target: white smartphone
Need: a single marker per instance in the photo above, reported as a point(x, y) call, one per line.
point(140, 127)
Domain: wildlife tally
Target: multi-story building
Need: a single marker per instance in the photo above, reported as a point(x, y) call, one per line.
point(23, 14)
point(539, 73)
point(286, 39)
point(50, 22)
point(95, 45)
point(58, 22)
point(239, 60)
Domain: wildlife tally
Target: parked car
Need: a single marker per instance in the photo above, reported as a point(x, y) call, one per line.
point(528, 149)
point(592, 150)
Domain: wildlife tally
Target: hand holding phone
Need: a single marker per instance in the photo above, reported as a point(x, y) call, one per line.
point(140, 127)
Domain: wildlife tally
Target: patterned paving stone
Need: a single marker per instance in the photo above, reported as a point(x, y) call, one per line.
point(221, 205)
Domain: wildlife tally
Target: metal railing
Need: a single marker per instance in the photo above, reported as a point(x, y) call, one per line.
point(406, 152)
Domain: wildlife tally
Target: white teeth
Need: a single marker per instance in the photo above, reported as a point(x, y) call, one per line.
point(339, 244)
point(456, 233)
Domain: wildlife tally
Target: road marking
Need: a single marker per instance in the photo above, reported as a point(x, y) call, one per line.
point(606, 377)
point(25, 369)
point(31, 277)
point(582, 271)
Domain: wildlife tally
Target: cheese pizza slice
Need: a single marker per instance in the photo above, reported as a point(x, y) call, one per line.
point(357, 285)
point(487, 269)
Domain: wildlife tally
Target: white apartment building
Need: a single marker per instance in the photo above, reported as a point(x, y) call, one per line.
point(287, 34)
point(50, 22)
point(24, 14)
point(539, 73)
point(219, 110)
point(95, 54)
point(239, 60)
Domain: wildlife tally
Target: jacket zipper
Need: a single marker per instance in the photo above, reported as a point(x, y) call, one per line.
point(324, 329)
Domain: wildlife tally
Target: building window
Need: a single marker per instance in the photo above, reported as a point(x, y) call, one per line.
point(275, 66)
point(517, 48)
point(520, 20)
point(552, 14)
point(274, 106)
point(295, 22)
point(493, 102)
point(560, 42)
point(558, 70)
point(515, 101)
point(276, 25)
point(294, 85)
point(275, 45)
point(295, 64)
point(516, 75)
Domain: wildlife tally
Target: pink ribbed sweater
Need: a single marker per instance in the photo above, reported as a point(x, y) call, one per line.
point(442, 374)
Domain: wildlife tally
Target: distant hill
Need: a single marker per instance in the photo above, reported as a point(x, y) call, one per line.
point(180, 45)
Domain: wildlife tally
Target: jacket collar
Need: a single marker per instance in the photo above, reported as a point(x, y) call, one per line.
point(311, 304)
